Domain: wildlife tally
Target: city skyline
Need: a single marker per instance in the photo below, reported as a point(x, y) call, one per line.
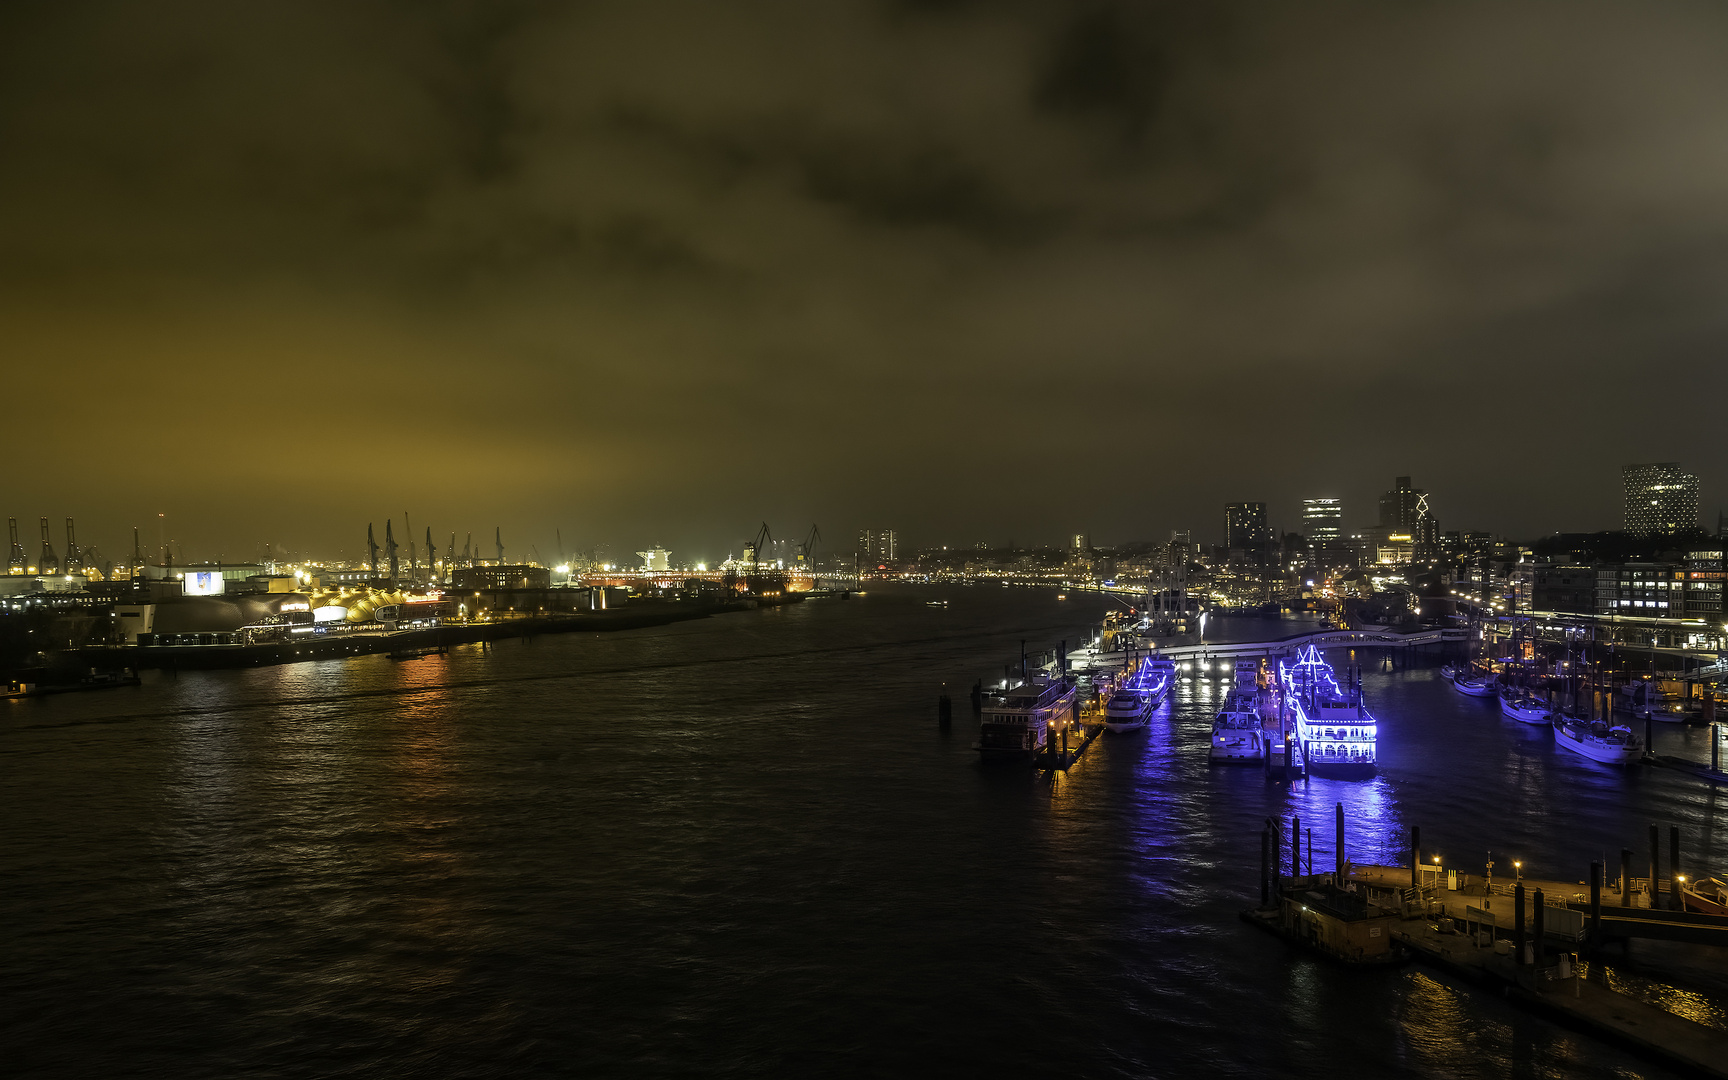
point(800, 266)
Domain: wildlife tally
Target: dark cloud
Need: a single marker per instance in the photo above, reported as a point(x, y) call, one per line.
point(659, 270)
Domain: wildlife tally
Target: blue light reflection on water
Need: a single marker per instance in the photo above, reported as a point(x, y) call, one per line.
point(735, 846)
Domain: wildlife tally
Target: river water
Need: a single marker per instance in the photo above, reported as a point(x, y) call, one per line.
point(741, 846)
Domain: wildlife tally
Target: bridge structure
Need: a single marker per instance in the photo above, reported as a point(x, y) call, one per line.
point(1325, 639)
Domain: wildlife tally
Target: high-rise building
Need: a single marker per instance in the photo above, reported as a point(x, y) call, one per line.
point(867, 544)
point(1081, 545)
point(1322, 520)
point(1245, 524)
point(1661, 498)
point(1401, 507)
point(887, 544)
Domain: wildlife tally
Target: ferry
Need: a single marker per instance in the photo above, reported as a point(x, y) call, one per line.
point(1236, 729)
point(1597, 740)
point(1018, 720)
point(1131, 705)
point(1526, 708)
point(1337, 734)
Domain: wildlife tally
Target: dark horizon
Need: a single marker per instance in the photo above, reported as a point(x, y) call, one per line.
point(657, 273)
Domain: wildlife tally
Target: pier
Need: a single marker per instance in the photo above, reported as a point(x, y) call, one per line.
point(1529, 940)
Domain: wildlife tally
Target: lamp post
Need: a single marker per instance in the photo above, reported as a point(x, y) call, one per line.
point(1519, 867)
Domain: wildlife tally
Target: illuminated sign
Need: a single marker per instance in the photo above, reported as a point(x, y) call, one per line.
point(297, 606)
point(203, 583)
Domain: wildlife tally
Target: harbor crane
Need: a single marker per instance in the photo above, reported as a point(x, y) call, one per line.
point(48, 565)
point(16, 563)
point(807, 548)
point(753, 549)
point(371, 549)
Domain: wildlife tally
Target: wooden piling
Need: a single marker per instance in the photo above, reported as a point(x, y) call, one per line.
point(1595, 904)
point(1415, 855)
point(1538, 928)
point(1674, 901)
point(1655, 864)
point(1338, 846)
point(1265, 869)
point(1625, 877)
point(1518, 924)
point(1296, 846)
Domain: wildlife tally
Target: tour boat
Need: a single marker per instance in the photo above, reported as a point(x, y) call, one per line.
point(1338, 735)
point(1018, 720)
point(1526, 707)
point(1128, 710)
point(1597, 740)
point(1448, 672)
point(1236, 730)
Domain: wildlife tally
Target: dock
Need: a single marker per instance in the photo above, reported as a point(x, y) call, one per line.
point(1527, 939)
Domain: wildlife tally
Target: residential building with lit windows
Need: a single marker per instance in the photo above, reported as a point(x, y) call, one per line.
point(1660, 498)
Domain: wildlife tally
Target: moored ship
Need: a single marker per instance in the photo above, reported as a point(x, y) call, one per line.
point(1526, 708)
point(1338, 736)
point(1611, 744)
point(1017, 721)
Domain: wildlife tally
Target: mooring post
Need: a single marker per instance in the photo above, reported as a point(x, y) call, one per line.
point(1674, 901)
point(1296, 846)
point(1064, 747)
point(1310, 863)
point(1538, 928)
point(944, 709)
point(1655, 865)
point(1715, 749)
point(1625, 877)
point(1518, 925)
point(1338, 849)
point(1265, 869)
point(1277, 854)
point(1415, 855)
point(1595, 904)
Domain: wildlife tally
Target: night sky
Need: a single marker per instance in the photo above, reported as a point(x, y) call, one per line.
point(654, 272)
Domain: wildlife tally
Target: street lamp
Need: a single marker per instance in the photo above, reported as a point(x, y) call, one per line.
point(1518, 866)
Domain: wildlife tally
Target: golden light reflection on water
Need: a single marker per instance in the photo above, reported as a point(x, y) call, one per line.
point(1683, 1003)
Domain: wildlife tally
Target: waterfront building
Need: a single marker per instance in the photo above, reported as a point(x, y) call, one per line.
point(1322, 520)
point(883, 545)
point(1245, 525)
point(1660, 498)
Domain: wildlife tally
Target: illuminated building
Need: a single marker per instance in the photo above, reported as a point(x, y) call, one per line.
point(1322, 520)
point(1660, 498)
point(1245, 525)
point(657, 559)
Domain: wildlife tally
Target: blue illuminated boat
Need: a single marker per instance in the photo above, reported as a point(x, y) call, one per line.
point(1339, 737)
point(1131, 705)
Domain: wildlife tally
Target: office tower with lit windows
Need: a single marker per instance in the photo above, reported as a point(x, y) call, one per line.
point(1661, 498)
point(1322, 520)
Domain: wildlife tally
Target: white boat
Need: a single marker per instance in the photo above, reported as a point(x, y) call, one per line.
point(1127, 710)
point(1526, 708)
point(1130, 705)
point(1018, 720)
point(1646, 701)
point(1474, 687)
point(1339, 737)
point(1610, 744)
point(1236, 730)
point(1448, 672)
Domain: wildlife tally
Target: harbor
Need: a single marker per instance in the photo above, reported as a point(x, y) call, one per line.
point(1555, 948)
